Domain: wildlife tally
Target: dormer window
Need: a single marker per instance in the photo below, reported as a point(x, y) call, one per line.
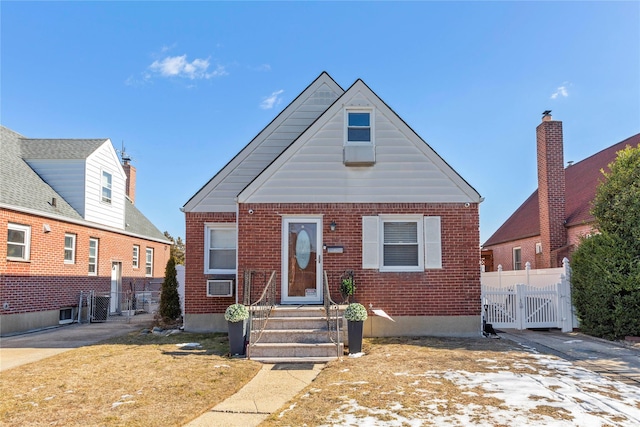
point(359, 147)
point(106, 187)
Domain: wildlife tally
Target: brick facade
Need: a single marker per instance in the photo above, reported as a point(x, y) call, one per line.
point(45, 282)
point(453, 290)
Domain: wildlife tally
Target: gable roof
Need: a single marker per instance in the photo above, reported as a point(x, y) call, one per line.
point(22, 189)
point(581, 182)
point(219, 193)
point(409, 174)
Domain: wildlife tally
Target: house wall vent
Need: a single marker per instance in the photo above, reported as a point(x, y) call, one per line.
point(219, 288)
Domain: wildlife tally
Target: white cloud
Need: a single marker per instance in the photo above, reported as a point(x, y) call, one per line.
point(179, 66)
point(272, 100)
point(561, 91)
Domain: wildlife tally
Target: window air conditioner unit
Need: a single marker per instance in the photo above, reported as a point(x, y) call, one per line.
point(219, 288)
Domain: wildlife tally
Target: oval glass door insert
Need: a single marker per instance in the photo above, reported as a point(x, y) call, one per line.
point(303, 249)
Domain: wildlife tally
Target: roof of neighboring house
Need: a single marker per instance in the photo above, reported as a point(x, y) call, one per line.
point(581, 181)
point(23, 189)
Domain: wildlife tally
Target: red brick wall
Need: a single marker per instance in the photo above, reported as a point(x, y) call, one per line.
point(195, 298)
point(45, 282)
point(453, 290)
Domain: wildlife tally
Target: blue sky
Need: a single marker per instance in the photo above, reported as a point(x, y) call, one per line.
point(185, 85)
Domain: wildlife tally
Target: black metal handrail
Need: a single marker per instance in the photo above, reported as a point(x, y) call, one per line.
point(259, 312)
point(333, 316)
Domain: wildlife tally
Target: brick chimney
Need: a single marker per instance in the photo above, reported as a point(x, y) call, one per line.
point(551, 189)
point(130, 172)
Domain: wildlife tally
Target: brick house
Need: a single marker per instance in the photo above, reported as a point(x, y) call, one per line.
point(548, 226)
point(67, 208)
point(337, 181)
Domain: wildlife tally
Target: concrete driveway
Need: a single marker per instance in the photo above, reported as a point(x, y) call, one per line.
point(615, 360)
point(21, 349)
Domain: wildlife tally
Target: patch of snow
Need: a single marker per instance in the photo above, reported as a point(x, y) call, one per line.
point(356, 354)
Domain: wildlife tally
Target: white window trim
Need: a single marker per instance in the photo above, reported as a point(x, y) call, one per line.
point(429, 242)
point(418, 219)
point(207, 236)
point(72, 248)
point(371, 112)
point(26, 229)
point(102, 186)
point(148, 265)
point(94, 273)
point(135, 261)
point(513, 254)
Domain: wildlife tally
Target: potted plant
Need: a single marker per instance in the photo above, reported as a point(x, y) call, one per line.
point(355, 314)
point(235, 315)
point(347, 286)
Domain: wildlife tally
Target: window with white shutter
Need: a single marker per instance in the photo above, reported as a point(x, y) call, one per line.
point(401, 242)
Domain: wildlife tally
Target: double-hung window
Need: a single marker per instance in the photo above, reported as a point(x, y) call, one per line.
point(359, 133)
point(69, 248)
point(358, 127)
point(401, 243)
point(136, 256)
point(106, 187)
point(220, 249)
point(149, 263)
point(93, 257)
point(517, 258)
point(18, 242)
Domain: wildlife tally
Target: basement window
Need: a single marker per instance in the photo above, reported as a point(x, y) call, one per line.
point(66, 316)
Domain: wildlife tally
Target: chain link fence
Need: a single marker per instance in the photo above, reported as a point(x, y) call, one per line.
point(96, 306)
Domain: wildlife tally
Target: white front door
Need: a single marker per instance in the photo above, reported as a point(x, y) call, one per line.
point(116, 286)
point(302, 260)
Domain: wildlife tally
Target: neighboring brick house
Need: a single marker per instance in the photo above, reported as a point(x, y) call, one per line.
point(337, 181)
point(548, 226)
point(70, 226)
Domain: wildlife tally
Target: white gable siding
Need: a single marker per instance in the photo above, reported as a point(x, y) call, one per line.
point(220, 194)
point(104, 158)
point(66, 177)
point(406, 170)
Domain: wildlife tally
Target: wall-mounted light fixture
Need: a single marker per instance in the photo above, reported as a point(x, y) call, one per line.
point(332, 226)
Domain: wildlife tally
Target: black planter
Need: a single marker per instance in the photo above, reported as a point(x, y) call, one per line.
point(236, 337)
point(354, 329)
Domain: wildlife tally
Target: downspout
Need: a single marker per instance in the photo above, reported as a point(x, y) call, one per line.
point(237, 232)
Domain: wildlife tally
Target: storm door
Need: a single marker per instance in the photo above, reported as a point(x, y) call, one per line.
point(302, 260)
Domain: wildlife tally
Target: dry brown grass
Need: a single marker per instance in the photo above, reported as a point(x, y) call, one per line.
point(390, 379)
point(137, 380)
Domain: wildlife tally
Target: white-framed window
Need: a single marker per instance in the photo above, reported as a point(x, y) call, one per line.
point(149, 263)
point(69, 248)
point(93, 256)
point(401, 242)
point(220, 248)
point(135, 262)
point(517, 258)
point(106, 187)
point(359, 129)
point(18, 242)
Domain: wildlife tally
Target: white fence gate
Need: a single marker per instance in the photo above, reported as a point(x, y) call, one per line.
point(517, 299)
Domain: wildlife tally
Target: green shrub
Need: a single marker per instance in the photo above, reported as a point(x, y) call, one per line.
point(169, 308)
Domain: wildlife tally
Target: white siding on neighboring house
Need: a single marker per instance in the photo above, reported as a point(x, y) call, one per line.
point(406, 169)
point(219, 195)
point(66, 177)
point(104, 159)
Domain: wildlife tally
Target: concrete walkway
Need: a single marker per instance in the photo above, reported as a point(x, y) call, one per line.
point(615, 360)
point(269, 390)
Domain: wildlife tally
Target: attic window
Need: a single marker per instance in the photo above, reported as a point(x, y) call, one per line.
point(359, 147)
point(359, 127)
point(106, 187)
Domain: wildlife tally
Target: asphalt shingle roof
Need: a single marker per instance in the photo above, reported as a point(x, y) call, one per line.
point(581, 181)
point(21, 187)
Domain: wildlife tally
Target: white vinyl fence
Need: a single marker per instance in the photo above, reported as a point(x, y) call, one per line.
point(523, 299)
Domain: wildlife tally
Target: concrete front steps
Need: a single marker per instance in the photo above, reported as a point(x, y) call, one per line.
point(295, 334)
